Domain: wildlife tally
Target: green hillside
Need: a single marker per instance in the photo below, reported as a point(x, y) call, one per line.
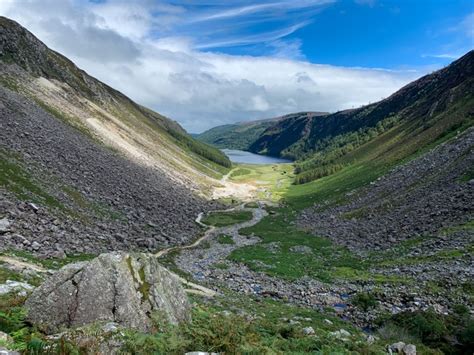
point(242, 135)
point(421, 114)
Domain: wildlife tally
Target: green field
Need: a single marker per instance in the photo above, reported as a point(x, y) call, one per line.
point(273, 181)
point(222, 219)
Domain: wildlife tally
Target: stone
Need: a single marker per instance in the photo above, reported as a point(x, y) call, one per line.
point(397, 347)
point(409, 349)
point(5, 351)
point(110, 327)
point(33, 206)
point(58, 254)
point(36, 246)
point(14, 286)
point(4, 337)
point(301, 249)
point(341, 334)
point(308, 331)
point(117, 287)
point(4, 225)
point(370, 339)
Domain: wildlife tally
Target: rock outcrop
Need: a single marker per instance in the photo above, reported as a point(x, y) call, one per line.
point(116, 287)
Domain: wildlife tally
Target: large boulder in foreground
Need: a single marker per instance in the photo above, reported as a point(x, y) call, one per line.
point(114, 287)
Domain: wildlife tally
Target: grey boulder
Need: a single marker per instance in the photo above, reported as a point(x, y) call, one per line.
point(4, 225)
point(123, 288)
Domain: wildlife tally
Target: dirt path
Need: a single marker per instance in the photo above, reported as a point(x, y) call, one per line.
point(227, 176)
point(20, 264)
point(212, 231)
point(240, 191)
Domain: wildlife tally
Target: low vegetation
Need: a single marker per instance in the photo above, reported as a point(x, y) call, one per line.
point(221, 219)
point(295, 253)
point(273, 181)
point(225, 239)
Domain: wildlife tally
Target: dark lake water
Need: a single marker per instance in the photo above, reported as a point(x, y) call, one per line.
point(240, 156)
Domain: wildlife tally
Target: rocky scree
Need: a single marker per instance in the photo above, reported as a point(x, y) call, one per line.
point(415, 199)
point(115, 203)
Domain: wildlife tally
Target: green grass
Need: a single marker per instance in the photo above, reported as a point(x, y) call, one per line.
point(7, 274)
point(266, 331)
point(327, 262)
point(222, 219)
point(442, 255)
point(225, 239)
point(272, 179)
point(15, 178)
point(333, 187)
point(469, 175)
point(251, 205)
point(240, 172)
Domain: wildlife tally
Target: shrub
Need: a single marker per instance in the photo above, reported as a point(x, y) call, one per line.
point(364, 301)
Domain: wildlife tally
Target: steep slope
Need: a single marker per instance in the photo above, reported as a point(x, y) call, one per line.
point(430, 193)
point(416, 116)
point(83, 169)
point(32, 69)
point(242, 135)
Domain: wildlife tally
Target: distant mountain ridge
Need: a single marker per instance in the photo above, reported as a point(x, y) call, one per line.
point(242, 135)
point(415, 117)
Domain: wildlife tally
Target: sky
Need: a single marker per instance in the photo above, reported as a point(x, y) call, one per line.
point(207, 63)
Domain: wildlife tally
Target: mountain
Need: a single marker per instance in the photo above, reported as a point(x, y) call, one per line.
point(421, 114)
point(61, 87)
point(86, 169)
point(242, 134)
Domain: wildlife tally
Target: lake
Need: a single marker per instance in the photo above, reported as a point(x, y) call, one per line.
point(240, 156)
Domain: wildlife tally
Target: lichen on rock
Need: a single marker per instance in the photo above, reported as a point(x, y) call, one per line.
point(124, 288)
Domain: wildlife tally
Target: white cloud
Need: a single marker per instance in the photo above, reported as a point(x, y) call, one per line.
point(255, 8)
point(468, 25)
point(442, 55)
point(258, 38)
point(199, 89)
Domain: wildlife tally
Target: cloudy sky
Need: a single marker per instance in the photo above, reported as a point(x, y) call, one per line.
point(205, 63)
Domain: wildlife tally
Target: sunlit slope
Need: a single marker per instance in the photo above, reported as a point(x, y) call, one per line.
point(31, 69)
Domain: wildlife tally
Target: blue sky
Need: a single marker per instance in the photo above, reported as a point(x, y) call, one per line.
point(206, 63)
point(366, 33)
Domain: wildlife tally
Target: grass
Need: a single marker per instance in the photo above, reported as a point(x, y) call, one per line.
point(222, 219)
point(272, 179)
point(333, 187)
point(15, 178)
point(240, 172)
point(225, 239)
point(327, 262)
point(247, 327)
point(251, 205)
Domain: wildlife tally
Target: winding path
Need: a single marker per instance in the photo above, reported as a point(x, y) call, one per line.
point(212, 231)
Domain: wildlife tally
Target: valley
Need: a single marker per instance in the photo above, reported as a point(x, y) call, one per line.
point(140, 239)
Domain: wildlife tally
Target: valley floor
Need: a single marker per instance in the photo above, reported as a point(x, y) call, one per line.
point(262, 259)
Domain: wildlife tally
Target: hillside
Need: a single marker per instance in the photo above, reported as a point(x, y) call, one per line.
point(243, 134)
point(413, 118)
point(79, 159)
point(55, 83)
